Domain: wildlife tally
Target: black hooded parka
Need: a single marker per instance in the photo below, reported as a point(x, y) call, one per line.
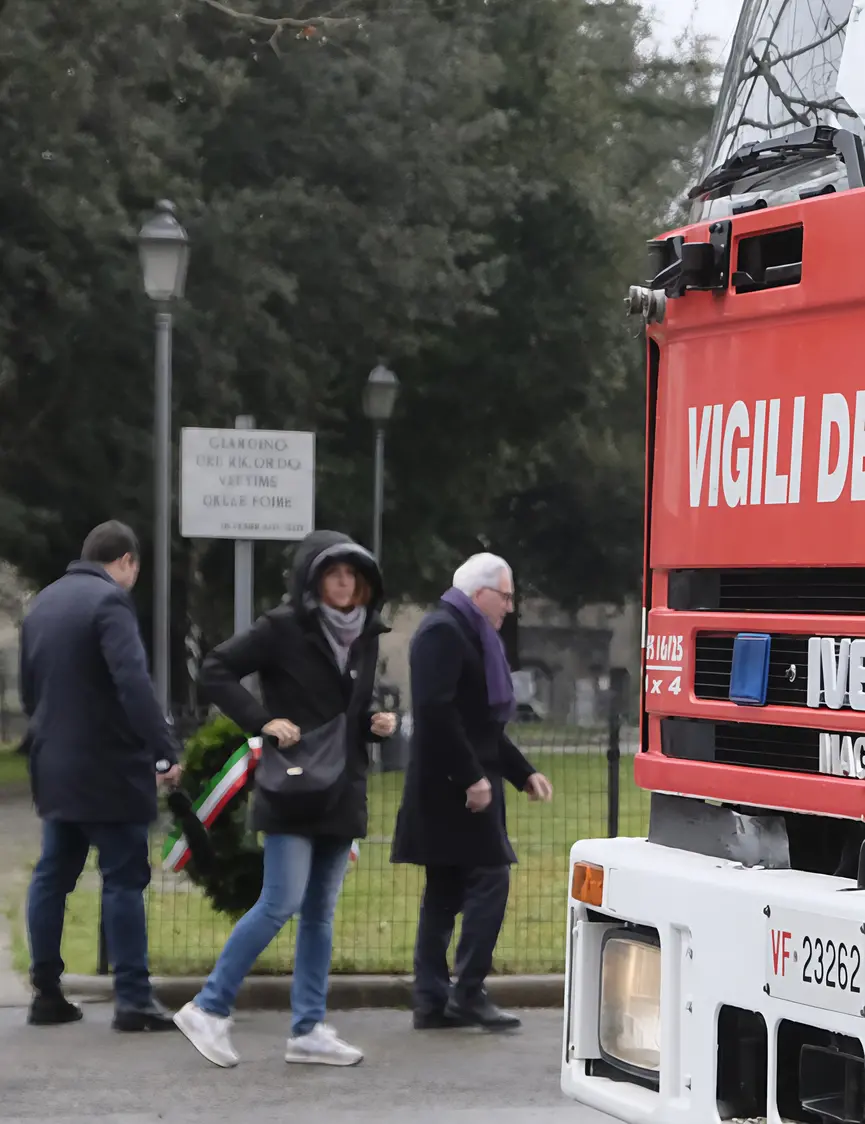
point(301, 681)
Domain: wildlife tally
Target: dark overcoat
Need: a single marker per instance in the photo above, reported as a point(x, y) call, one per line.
point(455, 743)
point(95, 728)
point(302, 682)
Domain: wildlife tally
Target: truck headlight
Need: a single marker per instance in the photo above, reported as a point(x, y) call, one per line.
point(629, 1029)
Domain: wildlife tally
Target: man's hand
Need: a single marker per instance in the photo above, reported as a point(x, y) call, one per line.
point(171, 778)
point(285, 732)
point(383, 725)
point(539, 788)
point(479, 796)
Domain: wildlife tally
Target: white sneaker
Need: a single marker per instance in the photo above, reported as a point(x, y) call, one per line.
point(322, 1047)
point(209, 1034)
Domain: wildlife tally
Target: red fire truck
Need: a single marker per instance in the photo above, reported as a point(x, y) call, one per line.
point(716, 969)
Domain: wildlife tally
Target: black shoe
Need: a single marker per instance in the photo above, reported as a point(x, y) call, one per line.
point(152, 1017)
point(481, 1012)
point(436, 1020)
point(53, 1010)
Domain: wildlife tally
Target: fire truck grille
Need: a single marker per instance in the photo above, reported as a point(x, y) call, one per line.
point(788, 668)
point(820, 589)
point(792, 749)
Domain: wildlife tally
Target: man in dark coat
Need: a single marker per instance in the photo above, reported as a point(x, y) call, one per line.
point(452, 819)
point(96, 737)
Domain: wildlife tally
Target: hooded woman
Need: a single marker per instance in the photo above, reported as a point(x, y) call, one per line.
point(316, 658)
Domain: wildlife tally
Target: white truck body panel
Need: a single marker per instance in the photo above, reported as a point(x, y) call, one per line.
point(721, 929)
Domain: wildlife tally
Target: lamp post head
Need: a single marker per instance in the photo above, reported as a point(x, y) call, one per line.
point(380, 395)
point(163, 248)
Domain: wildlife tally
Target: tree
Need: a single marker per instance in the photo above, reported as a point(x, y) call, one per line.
point(460, 190)
point(14, 595)
point(599, 133)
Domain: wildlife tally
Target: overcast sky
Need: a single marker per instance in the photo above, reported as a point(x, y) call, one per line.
point(710, 17)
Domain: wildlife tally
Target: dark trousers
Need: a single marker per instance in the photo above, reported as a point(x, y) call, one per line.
point(481, 895)
point(124, 864)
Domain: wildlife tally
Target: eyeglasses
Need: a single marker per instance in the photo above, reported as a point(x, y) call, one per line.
point(508, 598)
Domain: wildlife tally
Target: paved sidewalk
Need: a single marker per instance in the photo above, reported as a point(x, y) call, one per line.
point(86, 1072)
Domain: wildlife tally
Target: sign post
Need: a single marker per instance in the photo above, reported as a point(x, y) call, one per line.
point(246, 484)
point(244, 563)
point(252, 484)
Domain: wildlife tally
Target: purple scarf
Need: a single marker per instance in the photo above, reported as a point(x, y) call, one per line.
point(500, 685)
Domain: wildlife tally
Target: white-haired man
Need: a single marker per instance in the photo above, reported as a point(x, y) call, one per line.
point(452, 818)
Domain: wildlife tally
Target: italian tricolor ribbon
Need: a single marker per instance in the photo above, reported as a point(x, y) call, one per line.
point(217, 793)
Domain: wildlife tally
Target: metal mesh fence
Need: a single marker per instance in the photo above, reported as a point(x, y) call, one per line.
point(378, 909)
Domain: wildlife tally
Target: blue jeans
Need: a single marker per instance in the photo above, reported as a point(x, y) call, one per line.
point(300, 875)
point(124, 864)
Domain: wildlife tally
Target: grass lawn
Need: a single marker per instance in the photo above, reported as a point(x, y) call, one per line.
point(13, 767)
point(377, 914)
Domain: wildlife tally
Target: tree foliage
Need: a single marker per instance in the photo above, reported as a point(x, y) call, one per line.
point(462, 190)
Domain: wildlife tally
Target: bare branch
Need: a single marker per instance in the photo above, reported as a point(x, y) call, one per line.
point(761, 126)
point(827, 38)
point(278, 23)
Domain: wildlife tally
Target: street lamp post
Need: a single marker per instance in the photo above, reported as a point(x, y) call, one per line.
point(163, 247)
point(379, 399)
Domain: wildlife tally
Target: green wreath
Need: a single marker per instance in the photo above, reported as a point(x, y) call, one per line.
point(234, 884)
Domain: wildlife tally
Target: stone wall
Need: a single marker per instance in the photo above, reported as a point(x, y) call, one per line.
point(570, 655)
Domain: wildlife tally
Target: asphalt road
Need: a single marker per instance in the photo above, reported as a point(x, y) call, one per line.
point(86, 1073)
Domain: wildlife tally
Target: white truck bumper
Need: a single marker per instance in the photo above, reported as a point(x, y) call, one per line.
point(729, 937)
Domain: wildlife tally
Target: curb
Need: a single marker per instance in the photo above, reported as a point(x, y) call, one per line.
point(346, 993)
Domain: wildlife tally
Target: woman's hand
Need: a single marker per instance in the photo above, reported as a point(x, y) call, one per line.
point(285, 732)
point(539, 788)
point(383, 725)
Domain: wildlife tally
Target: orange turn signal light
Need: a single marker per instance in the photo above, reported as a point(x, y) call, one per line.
point(587, 883)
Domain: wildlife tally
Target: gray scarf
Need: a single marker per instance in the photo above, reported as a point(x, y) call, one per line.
point(342, 629)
